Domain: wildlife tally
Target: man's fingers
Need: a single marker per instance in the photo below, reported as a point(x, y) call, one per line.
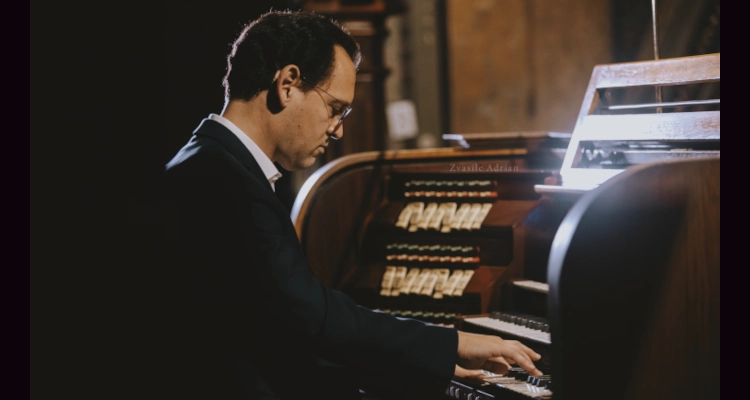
point(468, 374)
point(523, 360)
point(493, 354)
point(519, 353)
point(499, 359)
point(532, 354)
point(497, 365)
point(516, 345)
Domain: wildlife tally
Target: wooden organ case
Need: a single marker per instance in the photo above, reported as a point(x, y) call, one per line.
point(603, 239)
point(629, 304)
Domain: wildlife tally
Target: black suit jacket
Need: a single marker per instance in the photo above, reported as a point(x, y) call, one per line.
point(249, 318)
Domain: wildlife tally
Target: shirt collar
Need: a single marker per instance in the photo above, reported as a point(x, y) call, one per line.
point(266, 165)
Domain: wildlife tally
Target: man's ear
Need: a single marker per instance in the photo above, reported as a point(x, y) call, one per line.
point(288, 80)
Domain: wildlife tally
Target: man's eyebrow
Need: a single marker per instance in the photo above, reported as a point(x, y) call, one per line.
point(341, 103)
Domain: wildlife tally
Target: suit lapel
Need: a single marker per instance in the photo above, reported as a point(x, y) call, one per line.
point(234, 145)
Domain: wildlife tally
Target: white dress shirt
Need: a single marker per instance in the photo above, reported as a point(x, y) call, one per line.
point(266, 165)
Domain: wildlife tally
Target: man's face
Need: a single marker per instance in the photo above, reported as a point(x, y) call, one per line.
point(313, 115)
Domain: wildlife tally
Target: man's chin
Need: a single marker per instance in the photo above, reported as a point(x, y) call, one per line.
point(300, 165)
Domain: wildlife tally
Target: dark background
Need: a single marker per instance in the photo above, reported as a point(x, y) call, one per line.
point(116, 89)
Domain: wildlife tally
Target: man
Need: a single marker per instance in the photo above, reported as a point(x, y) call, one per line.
point(251, 318)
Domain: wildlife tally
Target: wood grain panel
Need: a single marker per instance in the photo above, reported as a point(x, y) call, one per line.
point(332, 247)
point(703, 125)
point(522, 64)
point(570, 38)
point(487, 43)
point(681, 343)
point(696, 69)
point(635, 270)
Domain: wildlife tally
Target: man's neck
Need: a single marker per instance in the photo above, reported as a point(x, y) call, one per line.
point(248, 116)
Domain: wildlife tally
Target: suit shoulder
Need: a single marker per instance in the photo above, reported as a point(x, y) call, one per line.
point(202, 152)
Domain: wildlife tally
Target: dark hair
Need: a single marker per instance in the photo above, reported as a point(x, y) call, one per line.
point(280, 38)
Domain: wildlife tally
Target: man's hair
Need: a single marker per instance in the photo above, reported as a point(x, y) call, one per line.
point(280, 38)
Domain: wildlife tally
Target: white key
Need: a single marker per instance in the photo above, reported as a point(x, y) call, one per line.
point(442, 280)
point(409, 280)
point(404, 217)
point(424, 220)
point(436, 219)
point(408, 213)
point(416, 216)
point(522, 387)
point(462, 283)
point(398, 281)
point(450, 213)
point(430, 284)
point(473, 212)
point(461, 214)
point(477, 222)
point(452, 282)
point(387, 282)
point(421, 279)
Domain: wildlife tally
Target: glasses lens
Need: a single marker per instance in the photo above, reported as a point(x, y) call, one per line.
point(346, 112)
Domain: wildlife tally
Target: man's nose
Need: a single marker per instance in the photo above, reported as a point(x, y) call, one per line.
point(336, 132)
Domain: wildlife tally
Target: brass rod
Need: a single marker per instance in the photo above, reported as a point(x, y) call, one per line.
point(667, 104)
point(656, 49)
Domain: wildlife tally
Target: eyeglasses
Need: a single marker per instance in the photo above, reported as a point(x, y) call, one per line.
point(343, 112)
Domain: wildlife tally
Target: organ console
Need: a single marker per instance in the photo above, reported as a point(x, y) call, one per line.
point(599, 250)
point(428, 234)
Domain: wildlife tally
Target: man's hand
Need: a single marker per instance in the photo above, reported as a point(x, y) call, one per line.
point(493, 354)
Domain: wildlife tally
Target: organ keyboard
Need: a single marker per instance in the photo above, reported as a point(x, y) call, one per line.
point(522, 326)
